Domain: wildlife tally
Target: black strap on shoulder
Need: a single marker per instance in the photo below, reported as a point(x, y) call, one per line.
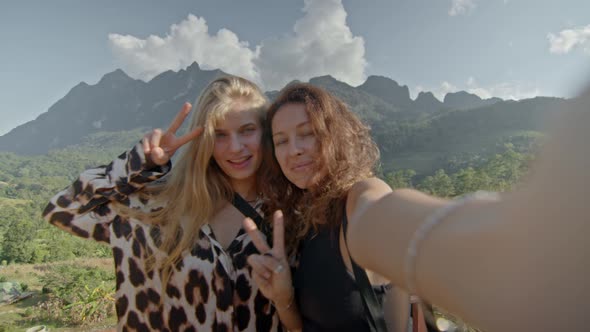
point(374, 308)
point(247, 209)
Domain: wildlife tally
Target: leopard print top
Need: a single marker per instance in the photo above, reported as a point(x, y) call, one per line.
point(210, 289)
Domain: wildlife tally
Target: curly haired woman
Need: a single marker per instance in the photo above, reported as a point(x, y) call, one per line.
point(319, 173)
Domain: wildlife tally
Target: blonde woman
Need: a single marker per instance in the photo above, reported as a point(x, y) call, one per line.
point(175, 230)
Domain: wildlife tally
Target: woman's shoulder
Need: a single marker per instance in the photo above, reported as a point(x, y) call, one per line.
point(365, 190)
point(372, 183)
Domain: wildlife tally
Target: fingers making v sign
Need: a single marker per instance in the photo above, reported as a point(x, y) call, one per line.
point(159, 146)
point(270, 269)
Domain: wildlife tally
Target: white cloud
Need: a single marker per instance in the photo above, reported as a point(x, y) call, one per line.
point(506, 90)
point(461, 7)
point(444, 88)
point(321, 43)
point(186, 42)
point(414, 92)
point(439, 91)
point(568, 39)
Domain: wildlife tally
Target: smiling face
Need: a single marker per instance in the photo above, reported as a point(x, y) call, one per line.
point(237, 148)
point(295, 144)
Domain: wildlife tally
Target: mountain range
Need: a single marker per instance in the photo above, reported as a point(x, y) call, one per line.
point(416, 133)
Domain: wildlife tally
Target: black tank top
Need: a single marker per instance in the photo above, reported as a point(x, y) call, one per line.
point(327, 295)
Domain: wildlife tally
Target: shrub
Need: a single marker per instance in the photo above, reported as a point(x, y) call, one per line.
point(78, 295)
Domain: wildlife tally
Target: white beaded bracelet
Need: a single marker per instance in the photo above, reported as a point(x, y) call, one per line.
point(428, 225)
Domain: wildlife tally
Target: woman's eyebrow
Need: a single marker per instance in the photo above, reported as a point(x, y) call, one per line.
point(298, 126)
point(248, 124)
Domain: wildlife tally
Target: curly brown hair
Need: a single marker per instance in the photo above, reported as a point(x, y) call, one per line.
point(347, 154)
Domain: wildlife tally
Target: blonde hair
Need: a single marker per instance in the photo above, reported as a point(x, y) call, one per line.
point(196, 187)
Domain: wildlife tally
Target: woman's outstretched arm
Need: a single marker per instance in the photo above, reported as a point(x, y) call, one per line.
point(519, 264)
point(396, 303)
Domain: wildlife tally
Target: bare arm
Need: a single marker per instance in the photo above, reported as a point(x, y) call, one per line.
point(396, 304)
point(520, 264)
point(396, 307)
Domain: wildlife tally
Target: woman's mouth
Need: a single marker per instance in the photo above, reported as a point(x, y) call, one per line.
point(302, 166)
point(240, 162)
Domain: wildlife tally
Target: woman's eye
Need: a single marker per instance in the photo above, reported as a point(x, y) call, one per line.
point(307, 133)
point(280, 142)
point(220, 135)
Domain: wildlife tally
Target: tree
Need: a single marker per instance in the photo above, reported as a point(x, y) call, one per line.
point(439, 185)
point(17, 243)
point(400, 178)
point(506, 169)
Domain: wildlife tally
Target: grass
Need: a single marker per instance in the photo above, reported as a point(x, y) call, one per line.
point(11, 202)
point(18, 316)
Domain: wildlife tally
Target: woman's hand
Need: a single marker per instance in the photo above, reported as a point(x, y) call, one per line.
point(159, 146)
point(270, 270)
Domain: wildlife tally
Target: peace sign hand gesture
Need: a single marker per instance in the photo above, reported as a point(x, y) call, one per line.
point(159, 146)
point(270, 270)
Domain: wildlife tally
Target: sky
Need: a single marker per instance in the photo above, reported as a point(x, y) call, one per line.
point(512, 49)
